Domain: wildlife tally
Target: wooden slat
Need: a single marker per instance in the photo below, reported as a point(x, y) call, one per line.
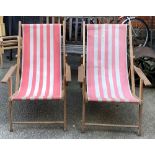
point(11, 47)
point(131, 60)
point(9, 37)
point(112, 125)
point(39, 122)
point(81, 73)
point(18, 58)
point(68, 73)
point(9, 74)
point(142, 76)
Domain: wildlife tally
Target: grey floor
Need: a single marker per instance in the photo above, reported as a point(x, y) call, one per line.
point(107, 113)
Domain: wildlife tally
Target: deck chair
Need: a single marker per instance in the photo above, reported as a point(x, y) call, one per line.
point(41, 77)
point(6, 42)
point(106, 70)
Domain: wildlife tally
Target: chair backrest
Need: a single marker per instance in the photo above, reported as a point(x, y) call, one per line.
point(41, 60)
point(107, 59)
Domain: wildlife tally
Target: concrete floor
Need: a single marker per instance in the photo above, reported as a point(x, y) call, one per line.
point(124, 113)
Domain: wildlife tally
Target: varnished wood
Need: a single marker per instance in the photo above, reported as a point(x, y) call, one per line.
point(10, 116)
point(8, 75)
point(112, 125)
point(141, 89)
point(68, 73)
point(142, 76)
point(18, 58)
point(39, 122)
point(81, 74)
point(131, 60)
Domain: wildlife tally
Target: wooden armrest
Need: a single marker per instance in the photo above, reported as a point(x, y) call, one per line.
point(9, 74)
point(68, 73)
point(9, 37)
point(142, 76)
point(81, 73)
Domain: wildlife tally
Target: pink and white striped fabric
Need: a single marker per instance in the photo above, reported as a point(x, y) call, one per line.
point(41, 62)
point(107, 73)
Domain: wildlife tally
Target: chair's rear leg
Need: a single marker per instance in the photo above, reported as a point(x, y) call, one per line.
point(140, 108)
point(65, 113)
point(10, 116)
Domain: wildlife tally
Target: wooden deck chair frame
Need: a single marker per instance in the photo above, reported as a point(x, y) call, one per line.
point(16, 68)
point(133, 69)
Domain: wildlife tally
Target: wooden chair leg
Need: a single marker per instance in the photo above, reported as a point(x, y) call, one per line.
point(65, 113)
point(140, 108)
point(10, 116)
point(1, 60)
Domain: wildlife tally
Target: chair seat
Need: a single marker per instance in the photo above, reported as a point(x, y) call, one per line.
point(19, 96)
point(131, 99)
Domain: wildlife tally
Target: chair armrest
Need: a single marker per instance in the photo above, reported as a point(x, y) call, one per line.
point(9, 74)
point(81, 73)
point(142, 76)
point(68, 73)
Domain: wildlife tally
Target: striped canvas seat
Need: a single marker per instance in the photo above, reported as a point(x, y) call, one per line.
point(107, 73)
point(41, 62)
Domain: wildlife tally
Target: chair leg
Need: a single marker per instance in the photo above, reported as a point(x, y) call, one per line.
point(1, 60)
point(65, 113)
point(10, 116)
point(140, 108)
point(83, 114)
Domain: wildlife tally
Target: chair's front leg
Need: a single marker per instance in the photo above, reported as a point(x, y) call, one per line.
point(10, 116)
point(140, 107)
point(10, 87)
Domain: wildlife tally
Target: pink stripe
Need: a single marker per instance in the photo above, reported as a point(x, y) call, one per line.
point(48, 62)
point(99, 62)
point(56, 31)
point(113, 61)
point(41, 62)
point(106, 62)
point(26, 61)
point(90, 64)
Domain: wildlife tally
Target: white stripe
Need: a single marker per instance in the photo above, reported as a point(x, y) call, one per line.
point(97, 91)
point(51, 63)
point(44, 74)
point(104, 86)
point(37, 62)
point(31, 63)
point(118, 80)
